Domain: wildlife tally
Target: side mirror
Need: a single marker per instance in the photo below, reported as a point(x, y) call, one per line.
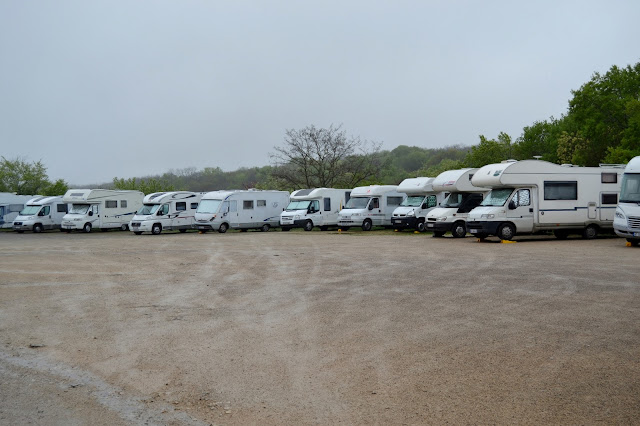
point(41, 213)
point(370, 207)
point(90, 213)
point(512, 205)
point(159, 213)
point(423, 206)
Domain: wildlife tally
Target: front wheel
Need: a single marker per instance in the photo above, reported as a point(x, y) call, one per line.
point(223, 228)
point(590, 232)
point(265, 227)
point(420, 226)
point(459, 230)
point(86, 228)
point(308, 225)
point(37, 228)
point(506, 232)
point(366, 225)
point(156, 229)
point(124, 227)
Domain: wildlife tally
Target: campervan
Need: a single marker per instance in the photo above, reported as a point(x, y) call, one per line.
point(240, 209)
point(421, 199)
point(370, 206)
point(533, 196)
point(166, 211)
point(314, 207)
point(452, 214)
point(10, 205)
point(102, 209)
point(626, 223)
point(41, 213)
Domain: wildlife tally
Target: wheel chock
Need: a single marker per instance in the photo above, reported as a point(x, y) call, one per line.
point(416, 232)
point(507, 241)
point(339, 231)
point(628, 244)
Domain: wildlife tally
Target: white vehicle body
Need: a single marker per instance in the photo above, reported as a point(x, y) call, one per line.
point(100, 209)
point(531, 196)
point(248, 209)
point(627, 220)
point(166, 211)
point(462, 197)
point(10, 206)
point(370, 206)
point(421, 199)
point(314, 207)
point(41, 213)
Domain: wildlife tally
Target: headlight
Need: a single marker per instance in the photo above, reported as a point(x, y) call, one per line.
point(356, 214)
point(411, 214)
point(619, 214)
point(296, 217)
point(441, 219)
point(487, 216)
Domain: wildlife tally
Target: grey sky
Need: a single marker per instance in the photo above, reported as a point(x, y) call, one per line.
point(97, 89)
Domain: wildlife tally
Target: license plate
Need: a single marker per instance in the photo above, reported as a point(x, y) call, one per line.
point(397, 221)
point(429, 225)
point(636, 234)
point(473, 231)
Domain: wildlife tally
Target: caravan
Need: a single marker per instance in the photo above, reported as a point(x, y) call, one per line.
point(421, 199)
point(370, 206)
point(627, 221)
point(453, 212)
point(41, 213)
point(166, 211)
point(314, 207)
point(250, 209)
point(10, 206)
point(100, 208)
point(530, 196)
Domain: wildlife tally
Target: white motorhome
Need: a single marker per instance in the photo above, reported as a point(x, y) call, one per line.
point(370, 206)
point(246, 209)
point(533, 196)
point(41, 213)
point(421, 199)
point(102, 209)
point(452, 214)
point(626, 223)
point(10, 206)
point(166, 211)
point(314, 207)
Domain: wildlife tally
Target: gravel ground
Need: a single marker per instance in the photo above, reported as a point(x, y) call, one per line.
point(321, 327)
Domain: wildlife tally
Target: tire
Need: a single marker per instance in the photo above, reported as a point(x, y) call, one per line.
point(156, 229)
point(124, 227)
point(223, 228)
point(438, 234)
point(506, 232)
point(366, 225)
point(183, 230)
point(286, 229)
point(561, 234)
point(459, 230)
point(344, 228)
point(308, 226)
point(37, 228)
point(265, 227)
point(420, 225)
point(590, 232)
point(86, 228)
point(633, 242)
point(138, 232)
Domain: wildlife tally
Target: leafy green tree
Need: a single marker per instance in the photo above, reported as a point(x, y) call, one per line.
point(144, 185)
point(539, 139)
point(26, 178)
point(490, 151)
point(443, 166)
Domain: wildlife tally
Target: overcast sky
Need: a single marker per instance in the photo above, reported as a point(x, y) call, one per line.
point(97, 89)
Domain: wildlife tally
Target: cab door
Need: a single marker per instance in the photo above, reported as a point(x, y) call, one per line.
point(314, 212)
point(520, 210)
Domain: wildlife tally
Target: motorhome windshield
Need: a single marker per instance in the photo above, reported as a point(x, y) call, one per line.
point(453, 200)
point(413, 201)
point(630, 191)
point(30, 210)
point(148, 209)
point(208, 206)
point(357, 203)
point(79, 209)
point(298, 205)
point(497, 197)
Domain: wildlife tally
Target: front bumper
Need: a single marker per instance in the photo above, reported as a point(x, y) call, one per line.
point(625, 232)
point(404, 222)
point(483, 227)
point(437, 226)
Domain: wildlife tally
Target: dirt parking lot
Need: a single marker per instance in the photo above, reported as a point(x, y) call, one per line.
point(317, 328)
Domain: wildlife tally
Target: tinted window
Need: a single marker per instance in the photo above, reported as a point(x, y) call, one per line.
point(327, 204)
point(194, 205)
point(394, 201)
point(609, 178)
point(111, 204)
point(61, 208)
point(247, 204)
point(181, 206)
point(561, 190)
point(123, 203)
point(261, 203)
point(609, 198)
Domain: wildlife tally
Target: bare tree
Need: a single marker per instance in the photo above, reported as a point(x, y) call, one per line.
point(316, 158)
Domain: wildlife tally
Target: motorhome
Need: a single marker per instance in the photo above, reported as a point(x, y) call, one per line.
point(10, 206)
point(102, 209)
point(240, 209)
point(166, 211)
point(532, 196)
point(452, 214)
point(421, 199)
point(41, 213)
point(370, 206)
point(314, 207)
point(626, 223)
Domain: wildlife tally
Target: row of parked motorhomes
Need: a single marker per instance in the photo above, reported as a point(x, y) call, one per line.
point(503, 199)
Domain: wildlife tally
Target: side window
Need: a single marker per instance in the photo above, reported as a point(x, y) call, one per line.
point(194, 206)
point(394, 201)
point(123, 203)
point(327, 204)
point(431, 201)
point(523, 198)
point(165, 209)
point(556, 190)
point(609, 178)
point(46, 210)
point(111, 204)
point(375, 203)
point(94, 209)
point(261, 203)
point(181, 206)
point(609, 198)
point(233, 206)
point(61, 208)
point(315, 206)
point(247, 205)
